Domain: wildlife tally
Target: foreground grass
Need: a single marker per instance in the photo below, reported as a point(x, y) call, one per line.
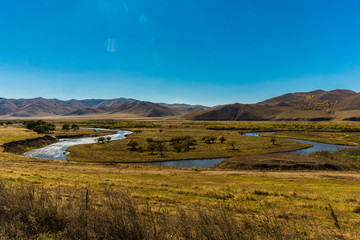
point(48, 198)
point(117, 151)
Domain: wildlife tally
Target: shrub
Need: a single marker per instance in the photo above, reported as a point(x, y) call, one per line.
point(100, 140)
point(133, 145)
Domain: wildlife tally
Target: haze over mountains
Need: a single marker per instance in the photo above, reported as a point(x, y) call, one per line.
point(315, 105)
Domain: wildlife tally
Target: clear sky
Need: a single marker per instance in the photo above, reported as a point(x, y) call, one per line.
point(189, 51)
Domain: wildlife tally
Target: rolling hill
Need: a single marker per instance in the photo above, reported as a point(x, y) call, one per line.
point(314, 106)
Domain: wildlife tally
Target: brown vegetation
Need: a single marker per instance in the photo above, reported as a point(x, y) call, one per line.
point(28, 212)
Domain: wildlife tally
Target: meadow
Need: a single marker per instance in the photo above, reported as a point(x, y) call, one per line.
point(46, 199)
point(118, 151)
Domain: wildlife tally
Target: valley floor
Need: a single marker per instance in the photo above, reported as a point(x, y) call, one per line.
point(46, 199)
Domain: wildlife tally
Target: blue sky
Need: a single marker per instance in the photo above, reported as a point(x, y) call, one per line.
point(189, 51)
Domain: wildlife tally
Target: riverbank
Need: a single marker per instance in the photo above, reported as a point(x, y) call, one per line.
point(19, 147)
point(18, 140)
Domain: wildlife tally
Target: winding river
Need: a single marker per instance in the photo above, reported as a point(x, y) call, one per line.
point(57, 151)
point(316, 146)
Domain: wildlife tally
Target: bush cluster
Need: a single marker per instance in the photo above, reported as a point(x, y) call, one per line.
point(40, 126)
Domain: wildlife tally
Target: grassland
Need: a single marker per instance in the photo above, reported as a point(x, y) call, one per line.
point(45, 199)
point(288, 204)
point(15, 133)
point(118, 151)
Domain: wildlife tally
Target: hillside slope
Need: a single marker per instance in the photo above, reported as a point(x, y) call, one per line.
point(314, 106)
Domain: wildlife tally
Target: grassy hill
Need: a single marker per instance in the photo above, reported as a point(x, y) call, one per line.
point(314, 106)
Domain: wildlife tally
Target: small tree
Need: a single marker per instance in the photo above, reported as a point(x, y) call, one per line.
point(108, 139)
point(161, 148)
point(133, 145)
point(178, 147)
point(100, 140)
point(75, 127)
point(40, 129)
point(151, 146)
point(50, 127)
point(222, 139)
point(273, 140)
point(231, 142)
point(66, 127)
point(140, 149)
point(206, 139)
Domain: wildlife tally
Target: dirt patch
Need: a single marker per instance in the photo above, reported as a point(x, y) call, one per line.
point(22, 146)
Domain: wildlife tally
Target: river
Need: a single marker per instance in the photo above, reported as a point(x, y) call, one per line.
point(57, 151)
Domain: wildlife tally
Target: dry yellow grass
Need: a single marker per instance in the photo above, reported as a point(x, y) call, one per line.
point(15, 133)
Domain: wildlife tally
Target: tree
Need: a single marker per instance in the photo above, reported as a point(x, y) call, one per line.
point(133, 145)
point(75, 127)
point(40, 126)
point(206, 139)
point(151, 146)
point(222, 139)
point(51, 127)
point(100, 140)
point(178, 147)
point(108, 139)
point(273, 140)
point(140, 149)
point(66, 127)
point(231, 142)
point(161, 148)
point(40, 129)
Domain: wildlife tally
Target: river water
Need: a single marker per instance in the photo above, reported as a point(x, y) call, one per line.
point(316, 146)
point(57, 151)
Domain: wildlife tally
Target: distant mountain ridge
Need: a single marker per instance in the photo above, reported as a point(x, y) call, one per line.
point(41, 107)
point(315, 105)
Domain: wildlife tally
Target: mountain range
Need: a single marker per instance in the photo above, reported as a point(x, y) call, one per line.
point(315, 105)
point(41, 107)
